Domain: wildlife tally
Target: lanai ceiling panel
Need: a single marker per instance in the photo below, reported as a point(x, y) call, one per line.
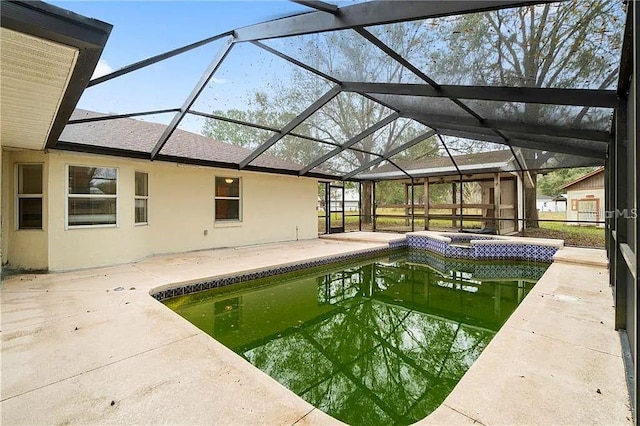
point(567, 116)
point(546, 160)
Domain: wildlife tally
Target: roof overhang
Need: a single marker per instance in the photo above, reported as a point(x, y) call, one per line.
point(47, 57)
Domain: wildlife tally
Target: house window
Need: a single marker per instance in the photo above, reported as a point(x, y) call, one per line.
point(141, 198)
point(227, 199)
point(29, 196)
point(91, 196)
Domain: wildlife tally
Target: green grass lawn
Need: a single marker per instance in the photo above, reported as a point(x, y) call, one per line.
point(580, 236)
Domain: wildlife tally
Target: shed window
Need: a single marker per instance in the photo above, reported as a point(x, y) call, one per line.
point(29, 196)
point(227, 199)
point(92, 196)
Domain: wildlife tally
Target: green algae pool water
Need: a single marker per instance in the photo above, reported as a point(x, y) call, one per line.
point(372, 342)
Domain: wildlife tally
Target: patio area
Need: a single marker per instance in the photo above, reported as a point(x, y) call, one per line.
point(93, 346)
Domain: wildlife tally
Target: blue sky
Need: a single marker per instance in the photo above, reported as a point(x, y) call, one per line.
point(145, 28)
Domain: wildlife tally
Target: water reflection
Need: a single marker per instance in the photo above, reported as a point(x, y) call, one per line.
point(377, 343)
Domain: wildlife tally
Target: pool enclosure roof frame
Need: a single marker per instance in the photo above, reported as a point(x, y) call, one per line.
point(469, 123)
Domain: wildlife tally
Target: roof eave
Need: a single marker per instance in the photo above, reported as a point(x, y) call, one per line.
point(55, 24)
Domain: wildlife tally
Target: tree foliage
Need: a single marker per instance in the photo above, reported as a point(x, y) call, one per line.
point(571, 44)
point(567, 45)
point(550, 184)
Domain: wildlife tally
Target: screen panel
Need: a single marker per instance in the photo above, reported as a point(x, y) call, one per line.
point(347, 56)
point(255, 86)
point(561, 44)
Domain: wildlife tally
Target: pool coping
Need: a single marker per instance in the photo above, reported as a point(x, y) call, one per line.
point(272, 403)
point(168, 291)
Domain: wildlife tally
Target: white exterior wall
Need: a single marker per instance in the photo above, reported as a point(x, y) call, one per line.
point(180, 210)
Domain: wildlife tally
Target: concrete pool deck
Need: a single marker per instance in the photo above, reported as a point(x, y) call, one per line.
point(93, 347)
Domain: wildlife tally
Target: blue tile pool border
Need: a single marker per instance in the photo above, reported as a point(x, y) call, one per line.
point(530, 252)
point(237, 278)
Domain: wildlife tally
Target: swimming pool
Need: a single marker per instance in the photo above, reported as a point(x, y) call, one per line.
point(378, 341)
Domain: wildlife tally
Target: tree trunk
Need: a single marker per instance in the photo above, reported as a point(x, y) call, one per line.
point(530, 207)
point(366, 203)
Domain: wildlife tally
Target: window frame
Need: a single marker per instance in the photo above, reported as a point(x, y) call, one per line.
point(95, 196)
point(137, 197)
point(228, 222)
point(19, 196)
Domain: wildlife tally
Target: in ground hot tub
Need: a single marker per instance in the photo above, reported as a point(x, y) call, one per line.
point(484, 247)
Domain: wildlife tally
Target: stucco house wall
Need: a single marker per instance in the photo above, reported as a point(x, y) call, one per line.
point(180, 212)
point(26, 248)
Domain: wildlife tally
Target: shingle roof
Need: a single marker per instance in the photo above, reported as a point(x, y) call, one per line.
point(482, 160)
point(141, 136)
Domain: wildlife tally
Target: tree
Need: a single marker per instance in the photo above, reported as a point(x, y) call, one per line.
point(551, 183)
point(568, 45)
point(260, 110)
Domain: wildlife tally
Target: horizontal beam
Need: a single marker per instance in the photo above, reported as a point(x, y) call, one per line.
point(116, 116)
point(370, 13)
point(527, 144)
point(354, 140)
point(534, 95)
point(319, 103)
point(318, 5)
point(531, 130)
point(154, 59)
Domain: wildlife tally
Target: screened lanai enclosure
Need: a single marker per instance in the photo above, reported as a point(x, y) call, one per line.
point(439, 114)
point(365, 93)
